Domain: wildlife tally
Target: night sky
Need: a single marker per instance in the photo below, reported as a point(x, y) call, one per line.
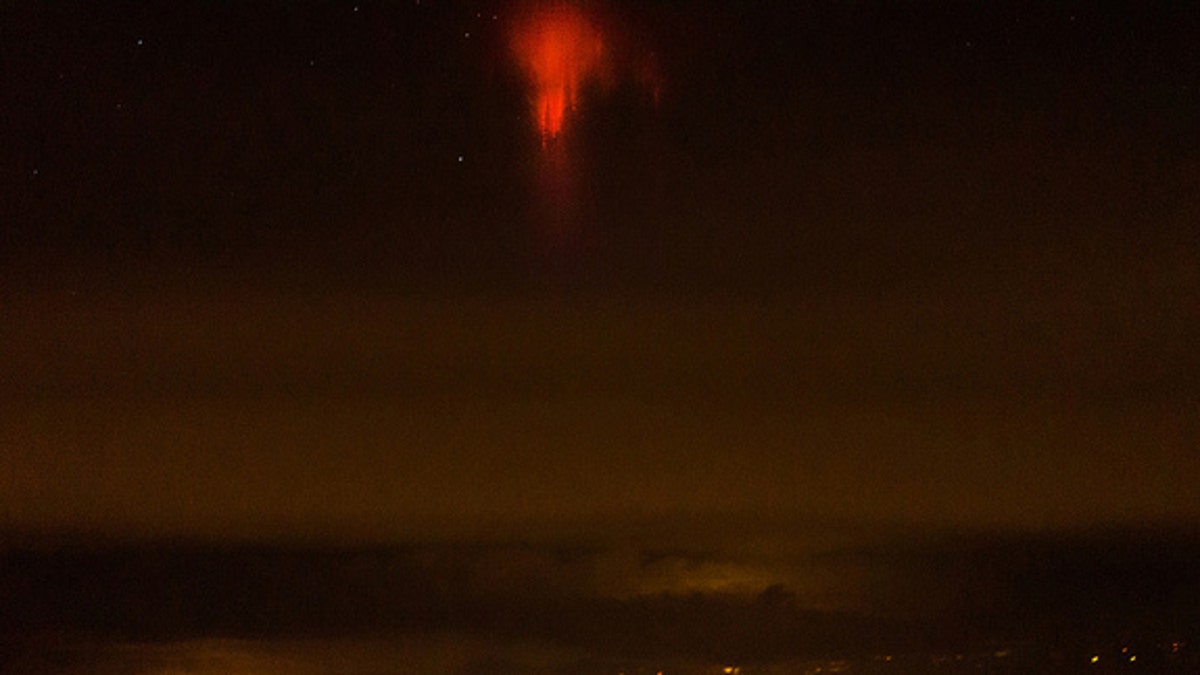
point(883, 310)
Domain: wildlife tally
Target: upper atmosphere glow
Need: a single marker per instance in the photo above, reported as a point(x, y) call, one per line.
point(559, 49)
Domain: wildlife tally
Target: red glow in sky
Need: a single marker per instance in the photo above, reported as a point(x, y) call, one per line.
point(559, 48)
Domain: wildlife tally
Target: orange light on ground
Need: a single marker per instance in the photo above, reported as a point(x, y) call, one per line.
point(559, 49)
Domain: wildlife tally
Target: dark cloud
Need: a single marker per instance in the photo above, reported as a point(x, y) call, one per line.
point(930, 591)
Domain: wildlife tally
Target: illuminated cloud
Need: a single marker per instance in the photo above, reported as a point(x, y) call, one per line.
point(681, 574)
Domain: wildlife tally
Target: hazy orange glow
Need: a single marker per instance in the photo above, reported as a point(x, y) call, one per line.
point(559, 49)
